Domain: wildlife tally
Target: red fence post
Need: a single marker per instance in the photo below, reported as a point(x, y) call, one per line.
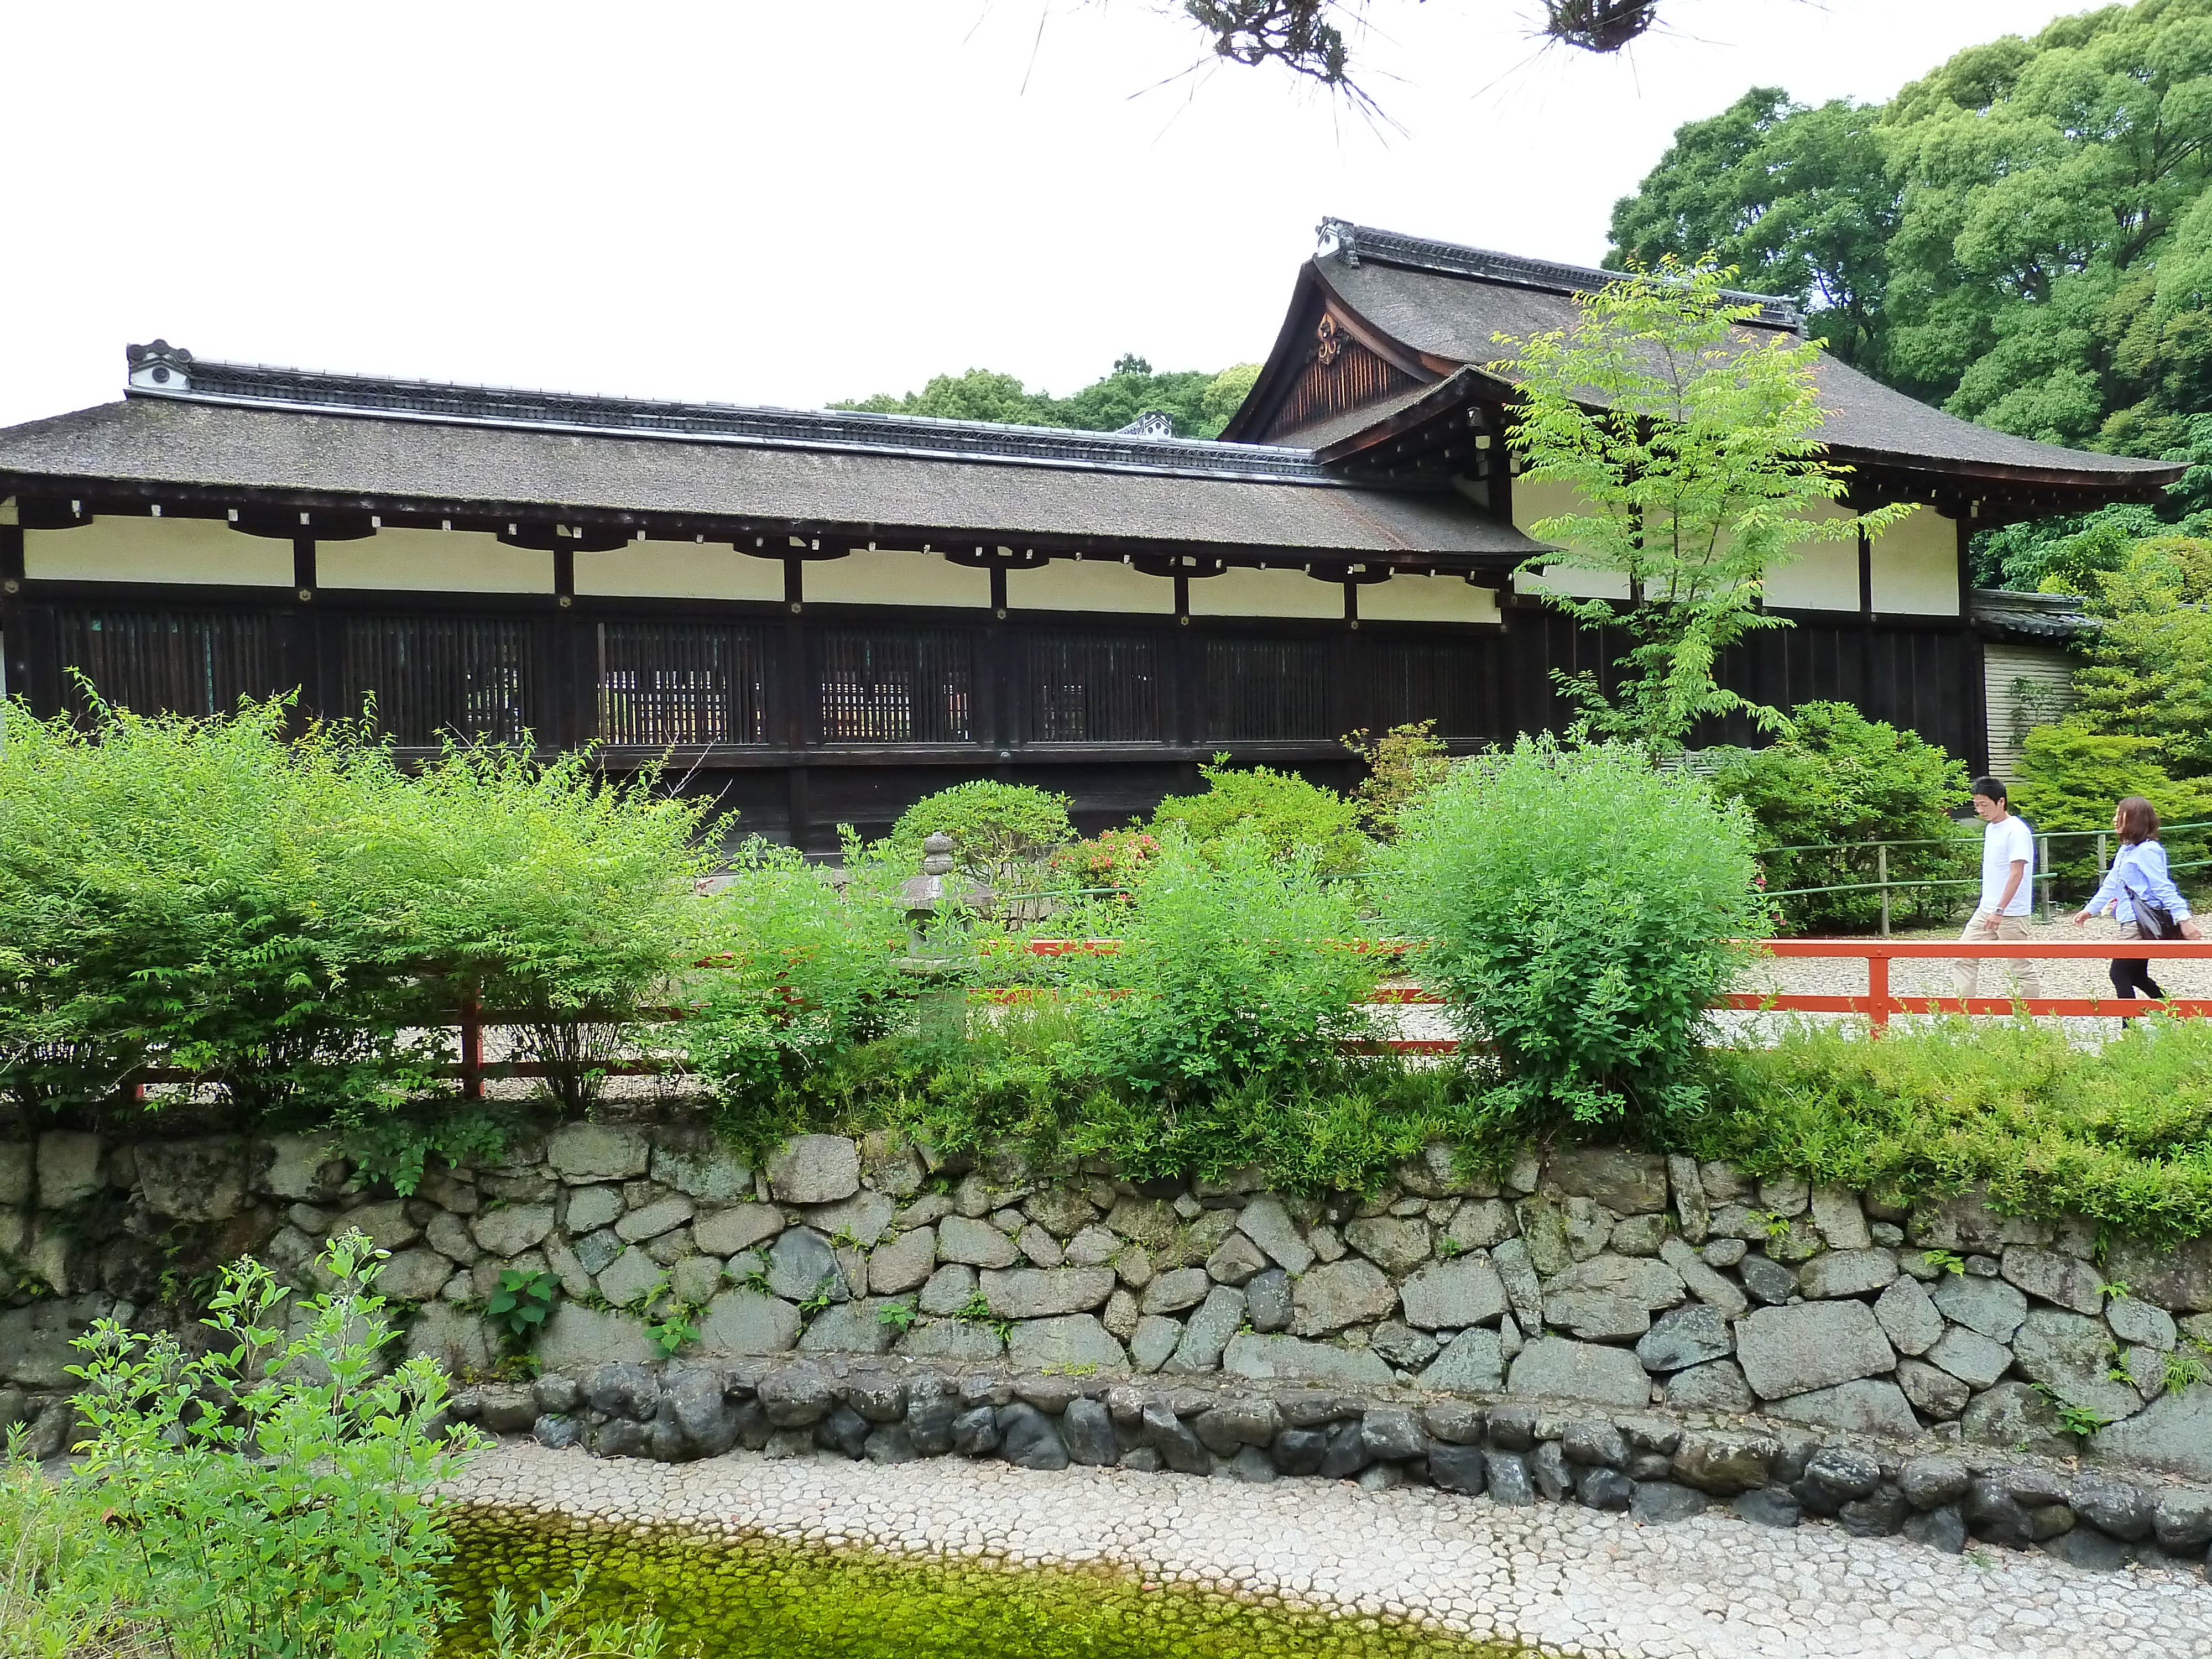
point(1877, 994)
point(472, 1048)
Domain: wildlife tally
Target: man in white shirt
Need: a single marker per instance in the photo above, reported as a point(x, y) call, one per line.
point(2008, 893)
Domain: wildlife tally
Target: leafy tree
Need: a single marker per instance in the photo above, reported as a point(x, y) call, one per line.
point(1403, 765)
point(2039, 180)
point(2024, 235)
point(978, 395)
point(2069, 777)
point(1696, 472)
point(1796, 197)
point(2149, 670)
point(1199, 404)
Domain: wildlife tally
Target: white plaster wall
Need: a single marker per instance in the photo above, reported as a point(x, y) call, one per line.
point(887, 576)
point(434, 561)
point(1106, 584)
point(1428, 598)
point(679, 570)
point(1242, 592)
point(1916, 566)
point(1817, 575)
point(150, 549)
point(1532, 502)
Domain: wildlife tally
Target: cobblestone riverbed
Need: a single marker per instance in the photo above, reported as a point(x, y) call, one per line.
point(1550, 1579)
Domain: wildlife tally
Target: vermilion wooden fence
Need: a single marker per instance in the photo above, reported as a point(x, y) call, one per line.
point(1877, 1003)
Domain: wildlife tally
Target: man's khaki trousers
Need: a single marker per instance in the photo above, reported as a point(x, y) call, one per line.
point(1988, 927)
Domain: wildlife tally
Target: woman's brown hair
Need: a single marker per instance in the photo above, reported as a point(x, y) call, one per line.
point(2138, 820)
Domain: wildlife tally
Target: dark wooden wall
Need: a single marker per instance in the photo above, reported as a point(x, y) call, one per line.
point(800, 721)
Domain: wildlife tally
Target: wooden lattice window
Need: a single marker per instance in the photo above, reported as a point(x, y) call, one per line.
point(432, 676)
point(662, 683)
point(184, 662)
point(1094, 688)
point(1266, 688)
point(895, 686)
point(1439, 682)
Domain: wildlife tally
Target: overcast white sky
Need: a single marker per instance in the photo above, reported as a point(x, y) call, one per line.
point(789, 203)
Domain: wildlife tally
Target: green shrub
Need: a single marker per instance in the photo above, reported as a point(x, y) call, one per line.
point(798, 973)
point(2071, 779)
point(286, 916)
point(1837, 777)
point(1209, 1041)
point(1234, 964)
point(1001, 832)
point(304, 1519)
point(1577, 908)
point(2121, 1133)
point(1285, 812)
point(1403, 765)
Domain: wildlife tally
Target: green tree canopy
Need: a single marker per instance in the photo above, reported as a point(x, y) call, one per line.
point(1795, 198)
point(1199, 402)
point(2023, 235)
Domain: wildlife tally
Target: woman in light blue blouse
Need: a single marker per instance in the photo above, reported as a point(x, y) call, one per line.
point(2138, 876)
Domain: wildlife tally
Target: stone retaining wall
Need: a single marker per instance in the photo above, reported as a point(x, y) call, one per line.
point(1621, 1280)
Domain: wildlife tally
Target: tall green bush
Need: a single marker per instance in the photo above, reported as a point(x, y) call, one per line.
point(1836, 777)
point(1234, 964)
point(277, 1492)
point(285, 917)
point(1292, 816)
point(1577, 908)
point(798, 973)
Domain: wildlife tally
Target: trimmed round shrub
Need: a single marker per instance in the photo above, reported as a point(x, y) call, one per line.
point(1577, 908)
point(1290, 815)
point(995, 827)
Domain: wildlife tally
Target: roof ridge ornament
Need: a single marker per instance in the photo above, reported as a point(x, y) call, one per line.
point(1153, 423)
point(1339, 237)
point(160, 367)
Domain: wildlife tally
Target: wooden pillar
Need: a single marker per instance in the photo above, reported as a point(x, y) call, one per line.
point(299, 639)
point(995, 724)
point(1974, 687)
point(575, 657)
point(14, 657)
point(796, 720)
point(1867, 651)
point(1189, 650)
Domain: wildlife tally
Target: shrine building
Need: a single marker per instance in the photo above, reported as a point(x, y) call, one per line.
point(821, 617)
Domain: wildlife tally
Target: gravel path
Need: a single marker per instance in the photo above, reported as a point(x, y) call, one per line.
point(1562, 1579)
point(1847, 977)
